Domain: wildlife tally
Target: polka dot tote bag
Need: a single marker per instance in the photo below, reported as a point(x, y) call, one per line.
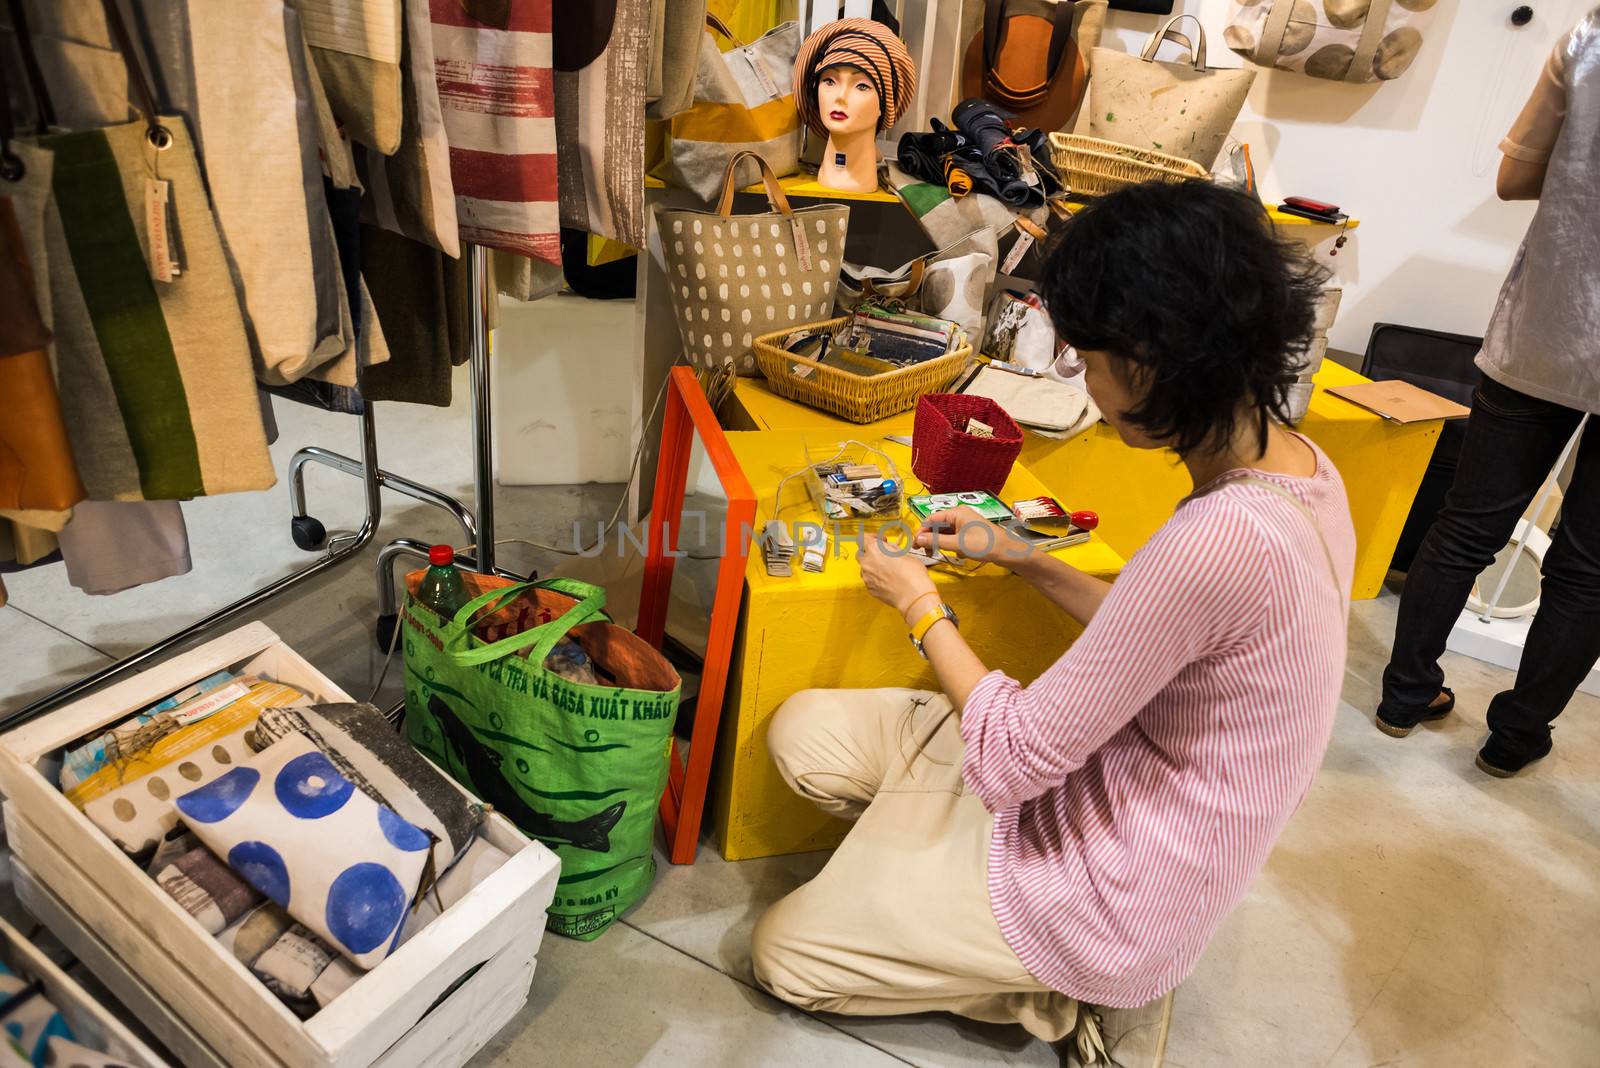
point(299, 832)
point(736, 277)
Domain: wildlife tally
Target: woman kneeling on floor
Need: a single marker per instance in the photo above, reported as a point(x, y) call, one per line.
point(1019, 848)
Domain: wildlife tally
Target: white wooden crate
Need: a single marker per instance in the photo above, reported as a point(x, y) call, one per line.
point(92, 1025)
point(493, 932)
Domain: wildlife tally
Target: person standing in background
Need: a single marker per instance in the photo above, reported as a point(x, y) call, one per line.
point(1541, 366)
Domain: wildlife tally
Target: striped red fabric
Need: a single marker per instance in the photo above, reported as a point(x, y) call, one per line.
point(521, 16)
point(497, 93)
point(1140, 782)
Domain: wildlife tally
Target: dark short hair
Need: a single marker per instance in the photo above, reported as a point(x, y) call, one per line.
point(1189, 282)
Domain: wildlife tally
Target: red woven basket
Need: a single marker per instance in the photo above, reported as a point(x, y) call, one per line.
point(949, 460)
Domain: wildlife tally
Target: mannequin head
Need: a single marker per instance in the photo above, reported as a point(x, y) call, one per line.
point(847, 101)
point(867, 64)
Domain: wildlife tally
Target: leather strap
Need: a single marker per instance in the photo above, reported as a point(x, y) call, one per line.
point(1271, 43)
point(1062, 47)
point(1031, 228)
point(927, 621)
point(716, 25)
point(1371, 38)
point(775, 194)
point(45, 114)
point(907, 286)
point(144, 95)
point(1196, 50)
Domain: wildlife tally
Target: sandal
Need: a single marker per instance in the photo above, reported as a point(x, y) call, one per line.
point(1398, 726)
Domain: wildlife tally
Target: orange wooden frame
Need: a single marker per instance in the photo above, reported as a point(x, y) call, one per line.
point(689, 413)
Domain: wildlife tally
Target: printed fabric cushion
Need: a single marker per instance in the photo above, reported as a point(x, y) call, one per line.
point(304, 836)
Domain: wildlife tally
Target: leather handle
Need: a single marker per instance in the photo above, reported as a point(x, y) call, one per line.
point(716, 25)
point(45, 114)
point(1061, 16)
point(1196, 49)
point(158, 135)
point(912, 283)
point(775, 194)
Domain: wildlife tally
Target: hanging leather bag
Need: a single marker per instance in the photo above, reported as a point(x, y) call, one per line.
point(1183, 109)
point(1031, 58)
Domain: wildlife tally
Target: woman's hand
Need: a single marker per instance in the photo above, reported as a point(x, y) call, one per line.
point(965, 532)
point(892, 575)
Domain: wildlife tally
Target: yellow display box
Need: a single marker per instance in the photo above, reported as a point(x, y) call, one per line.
point(825, 630)
point(1134, 491)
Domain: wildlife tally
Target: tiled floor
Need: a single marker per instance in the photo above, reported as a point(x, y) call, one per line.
point(1415, 912)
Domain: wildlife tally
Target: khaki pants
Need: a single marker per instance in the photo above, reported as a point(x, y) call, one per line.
point(899, 920)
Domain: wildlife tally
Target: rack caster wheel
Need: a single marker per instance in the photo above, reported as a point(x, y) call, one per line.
point(308, 532)
point(385, 629)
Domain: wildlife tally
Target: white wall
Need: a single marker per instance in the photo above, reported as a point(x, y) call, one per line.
point(1413, 159)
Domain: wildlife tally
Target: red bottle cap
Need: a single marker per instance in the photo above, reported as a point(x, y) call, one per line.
point(441, 555)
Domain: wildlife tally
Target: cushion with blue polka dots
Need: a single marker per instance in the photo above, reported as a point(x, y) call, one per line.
point(300, 832)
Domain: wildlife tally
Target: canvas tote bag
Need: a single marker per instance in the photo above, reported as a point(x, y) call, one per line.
point(743, 103)
point(1182, 109)
point(733, 278)
point(1345, 40)
point(153, 364)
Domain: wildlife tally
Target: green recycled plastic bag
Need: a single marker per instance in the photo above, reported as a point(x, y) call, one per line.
point(579, 767)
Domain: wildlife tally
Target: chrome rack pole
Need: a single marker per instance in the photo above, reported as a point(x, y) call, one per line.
point(482, 417)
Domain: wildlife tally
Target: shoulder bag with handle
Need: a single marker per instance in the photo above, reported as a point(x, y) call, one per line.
point(579, 766)
point(1183, 109)
point(952, 283)
point(736, 277)
point(1337, 39)
point(743, 102)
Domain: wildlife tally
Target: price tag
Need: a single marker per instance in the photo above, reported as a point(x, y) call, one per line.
point(802, 243)
point(1018, 250)
point(162, 269)
point(763, 75)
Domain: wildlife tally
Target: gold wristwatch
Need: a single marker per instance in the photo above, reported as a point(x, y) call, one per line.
point(920, 628)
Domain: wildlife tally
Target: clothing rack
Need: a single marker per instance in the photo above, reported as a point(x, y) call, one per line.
point(309, 534)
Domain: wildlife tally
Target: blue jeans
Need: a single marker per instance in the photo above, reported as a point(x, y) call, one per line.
point(1512, 442)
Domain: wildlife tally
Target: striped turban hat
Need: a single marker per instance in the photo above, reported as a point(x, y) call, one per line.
point(870, 47)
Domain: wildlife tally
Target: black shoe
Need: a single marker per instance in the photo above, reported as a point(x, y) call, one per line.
point(1503, 759)
point(1397, 724)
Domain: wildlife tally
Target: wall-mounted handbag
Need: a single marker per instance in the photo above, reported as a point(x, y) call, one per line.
point(1182, 109)
point(735, 277)
point(743, 104)
point(1032, 58)
point(1345, 40)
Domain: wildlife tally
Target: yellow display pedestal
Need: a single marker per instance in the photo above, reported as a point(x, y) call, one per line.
point(1134, 491)
point(825, 630)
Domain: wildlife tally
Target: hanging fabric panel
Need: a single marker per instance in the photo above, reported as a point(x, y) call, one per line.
point(498, 99)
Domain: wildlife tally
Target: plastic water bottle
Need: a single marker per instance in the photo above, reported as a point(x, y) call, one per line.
point(442, 589)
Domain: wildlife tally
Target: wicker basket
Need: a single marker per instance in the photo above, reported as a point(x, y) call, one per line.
point(858, 398)
point(1093, 167)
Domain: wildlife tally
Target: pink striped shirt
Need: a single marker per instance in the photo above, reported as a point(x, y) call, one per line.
point(1140, 782)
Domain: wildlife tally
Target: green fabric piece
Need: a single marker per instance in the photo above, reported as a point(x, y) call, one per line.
point(923, 197)
point(579, 767)
point(126, 315)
